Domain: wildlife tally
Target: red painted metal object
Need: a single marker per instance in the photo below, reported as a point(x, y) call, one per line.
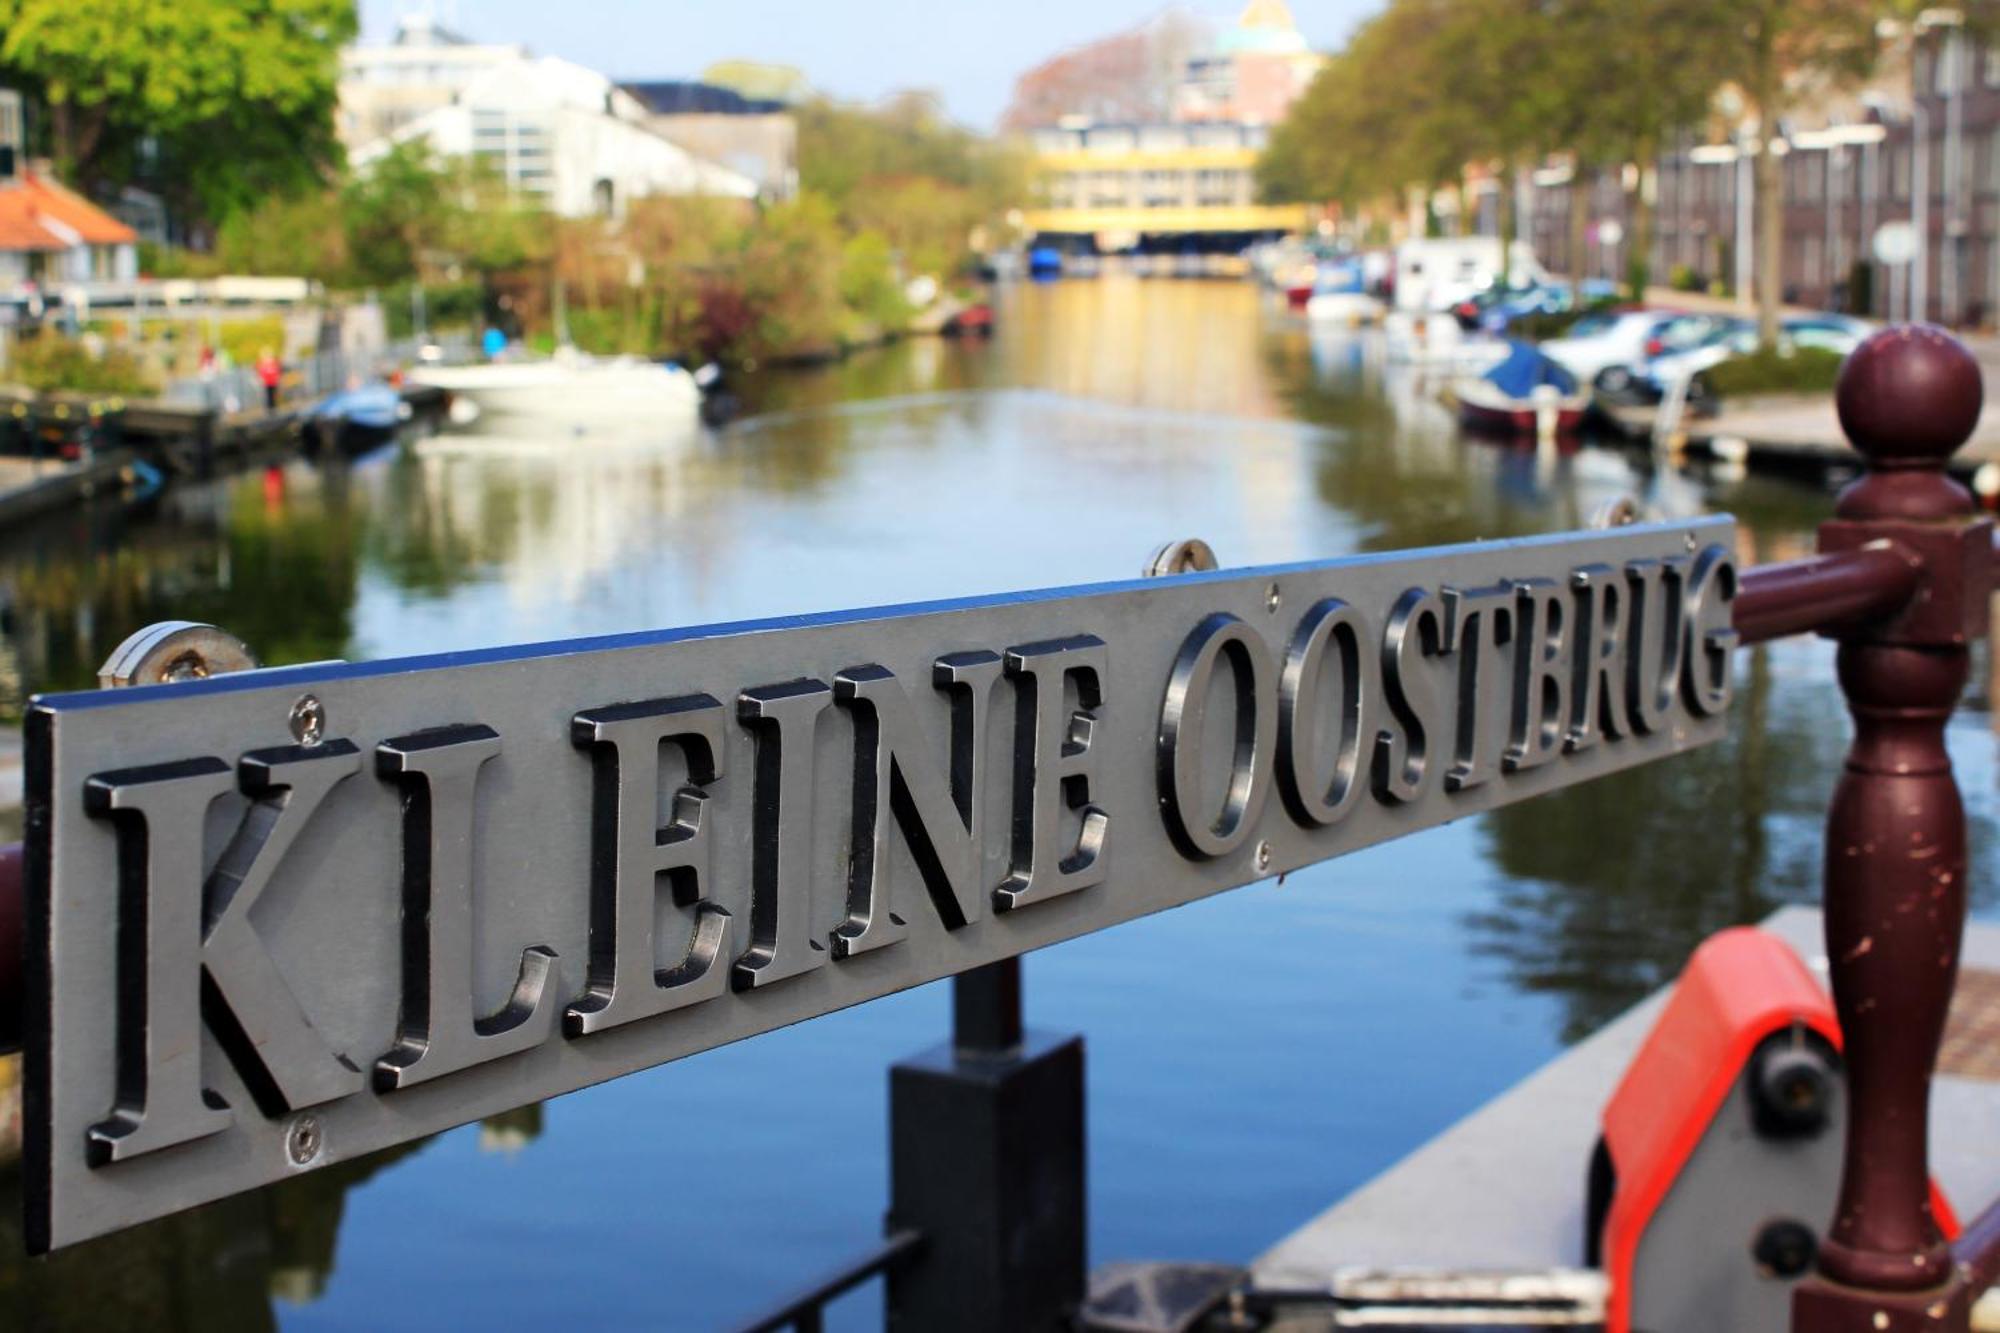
point(1895, 851)
point(1740, 986)
point(1805, 596)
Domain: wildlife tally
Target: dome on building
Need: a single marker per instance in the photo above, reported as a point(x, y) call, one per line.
point(1267, 27)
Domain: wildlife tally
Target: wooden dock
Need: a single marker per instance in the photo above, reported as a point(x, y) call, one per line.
point(1790, 430)
point(180, 440)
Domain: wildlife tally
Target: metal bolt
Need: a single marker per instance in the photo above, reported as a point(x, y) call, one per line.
point(305, 1140)
point(1784, 1248)
point(1272, 597)
point(1263, 856)
point(308, 720)
point(1689, 541)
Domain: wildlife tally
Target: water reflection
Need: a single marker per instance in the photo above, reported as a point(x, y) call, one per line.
point(221, 1268)
point(1103, 418)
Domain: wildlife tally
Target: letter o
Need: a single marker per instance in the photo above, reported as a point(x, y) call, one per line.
point(1183, 717)
point(1336, 628)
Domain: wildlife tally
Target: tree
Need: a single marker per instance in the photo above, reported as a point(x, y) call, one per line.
point(1421, 90)
point(396, 211)
point(1781, 50)
point(234, 99)
point(1378, 117)
point(302, 235)
point(1643, 70)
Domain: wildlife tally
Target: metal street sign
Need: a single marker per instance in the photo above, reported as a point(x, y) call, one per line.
point(283, 918)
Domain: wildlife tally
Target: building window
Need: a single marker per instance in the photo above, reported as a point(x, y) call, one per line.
point(1110, 141)
point(1163, 189)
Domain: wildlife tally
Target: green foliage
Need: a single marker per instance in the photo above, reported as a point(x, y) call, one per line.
point(925, 220)
point(868, 285)
point(242, 341)
point(300, 235)
point(407, 215)
point(789, 274)
point(171, 261)
point(447, 305)
point(1861, 288)
point(52, 362)
point(1638, 275)
point(1543, 325)
point(392, 210)
point(1797, 370)
point(236, 97)
point(905, 171)
point(1683, 279)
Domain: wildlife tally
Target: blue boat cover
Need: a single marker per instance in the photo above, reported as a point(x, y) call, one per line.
point(1340, 277)
point(1526, 370)
point(374, 406)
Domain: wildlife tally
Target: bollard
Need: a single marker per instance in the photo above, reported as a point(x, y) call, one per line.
point(1895, 850)
point(986, 1156)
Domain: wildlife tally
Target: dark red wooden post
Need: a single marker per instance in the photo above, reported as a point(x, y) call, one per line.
point(1895, 851)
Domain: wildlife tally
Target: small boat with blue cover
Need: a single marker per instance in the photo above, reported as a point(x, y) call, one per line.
point(356, 419)
point(1527, 393)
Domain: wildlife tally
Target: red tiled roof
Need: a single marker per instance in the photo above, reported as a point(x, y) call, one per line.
point(28, 209)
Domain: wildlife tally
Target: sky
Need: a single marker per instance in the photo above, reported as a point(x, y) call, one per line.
point(967, 50)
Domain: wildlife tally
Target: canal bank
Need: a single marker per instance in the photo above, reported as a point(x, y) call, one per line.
point(1251, 1058)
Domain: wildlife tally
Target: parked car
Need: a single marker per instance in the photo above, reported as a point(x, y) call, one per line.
point(1627, 337)
point(1648, 383)
point(1472, 310)
point(1551, 298)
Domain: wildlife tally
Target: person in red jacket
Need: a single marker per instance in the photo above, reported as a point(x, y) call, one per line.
point(270, 371)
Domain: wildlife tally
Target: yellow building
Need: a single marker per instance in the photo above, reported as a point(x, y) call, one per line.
point(1125, 182)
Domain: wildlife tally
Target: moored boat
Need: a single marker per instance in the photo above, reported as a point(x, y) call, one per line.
point(974, 321)
point(356, 419)
point(1340, 295)
point(571, 389)
point(1526, 394)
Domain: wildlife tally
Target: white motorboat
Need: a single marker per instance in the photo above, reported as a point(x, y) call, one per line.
point(572, 390)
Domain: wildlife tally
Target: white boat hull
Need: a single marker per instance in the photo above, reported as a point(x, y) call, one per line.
point(1344, 308)
point(573, 392)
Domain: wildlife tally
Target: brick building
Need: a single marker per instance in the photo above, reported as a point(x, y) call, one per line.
point(1920, 146)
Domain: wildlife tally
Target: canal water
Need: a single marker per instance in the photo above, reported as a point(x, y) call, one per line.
point(1251, 1058)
